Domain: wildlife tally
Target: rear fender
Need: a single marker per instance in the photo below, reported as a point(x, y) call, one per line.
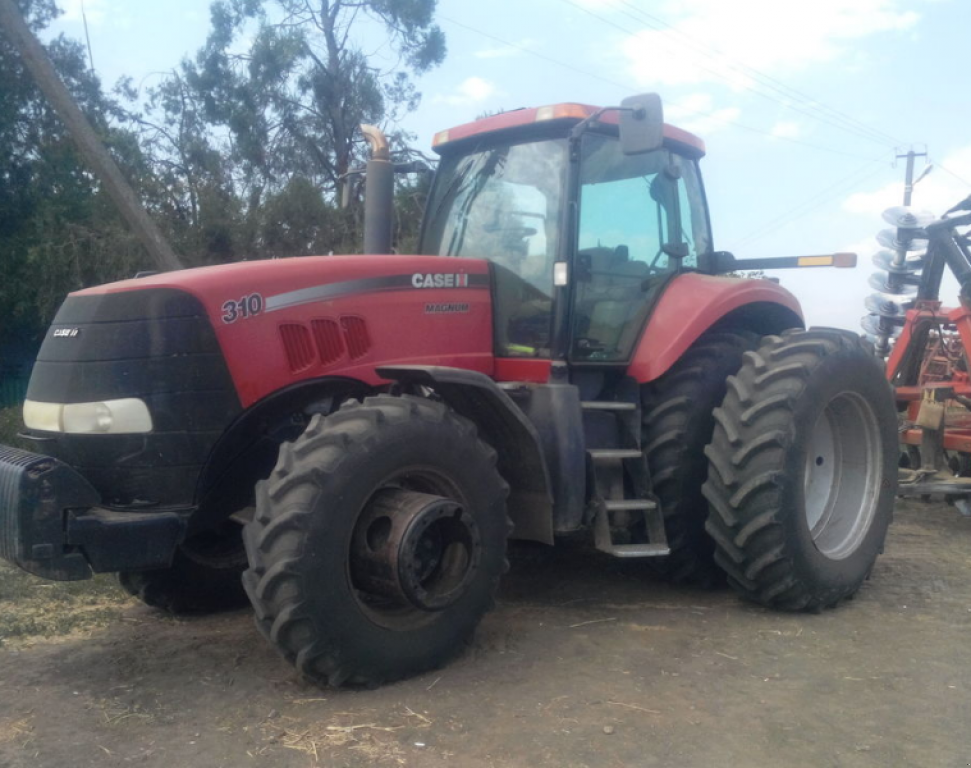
point(693, 304)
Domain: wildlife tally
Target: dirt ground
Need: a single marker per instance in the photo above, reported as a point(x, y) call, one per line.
point(586, 662)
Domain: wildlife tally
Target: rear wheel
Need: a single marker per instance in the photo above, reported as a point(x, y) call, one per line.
point(205, 575)
point(803, 470)
point(677, 426)
point(378, 541)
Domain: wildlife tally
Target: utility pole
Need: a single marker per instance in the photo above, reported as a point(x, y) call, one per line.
point(38, 64)
point(909, 178)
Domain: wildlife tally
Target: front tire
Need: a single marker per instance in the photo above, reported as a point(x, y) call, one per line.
point(341, 586)
point(803, 470)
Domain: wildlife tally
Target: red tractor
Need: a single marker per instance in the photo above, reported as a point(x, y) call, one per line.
point(359, 436)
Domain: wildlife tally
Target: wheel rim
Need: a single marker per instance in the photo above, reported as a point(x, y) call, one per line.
point(414, 550)
point(842, 475)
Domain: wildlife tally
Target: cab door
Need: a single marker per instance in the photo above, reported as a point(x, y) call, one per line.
point(642, 219)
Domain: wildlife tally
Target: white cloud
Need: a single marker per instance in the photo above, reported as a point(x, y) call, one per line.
point(696, 113)
point(936, 192)
point(472, 90)
point(786, 129)
point(768, 35)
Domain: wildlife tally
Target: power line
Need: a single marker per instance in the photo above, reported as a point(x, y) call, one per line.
point(626, 89)
point(952, 173)
point(782, 220)
point(807, 206)
point(845, 123)
point(768, 81)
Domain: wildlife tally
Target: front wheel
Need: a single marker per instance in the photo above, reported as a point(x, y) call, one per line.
point(803, 470)
point(378, 541)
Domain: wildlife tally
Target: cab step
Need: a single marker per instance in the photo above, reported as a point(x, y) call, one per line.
point(607, 405)
point(617, 505)
point(610, 454)
point(603, 540)
point(624, 502)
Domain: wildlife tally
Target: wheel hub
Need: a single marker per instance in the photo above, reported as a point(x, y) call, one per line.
point(842, 477)
point(416, 549)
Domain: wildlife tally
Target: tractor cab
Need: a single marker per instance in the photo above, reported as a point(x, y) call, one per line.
point(583, 234)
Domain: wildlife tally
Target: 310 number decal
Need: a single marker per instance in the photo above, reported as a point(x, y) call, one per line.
point(248, 306)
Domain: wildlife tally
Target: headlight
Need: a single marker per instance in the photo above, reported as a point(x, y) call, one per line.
point(110, 417)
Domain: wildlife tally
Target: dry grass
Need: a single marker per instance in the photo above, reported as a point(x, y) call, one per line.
point(19, 730)
point(380, 742)
point(32, 609)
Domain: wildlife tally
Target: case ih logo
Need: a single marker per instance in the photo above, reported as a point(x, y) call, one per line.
point(66, 333)
point(418, 280)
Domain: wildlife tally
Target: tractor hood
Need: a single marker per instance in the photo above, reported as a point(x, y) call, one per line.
point(285, 320)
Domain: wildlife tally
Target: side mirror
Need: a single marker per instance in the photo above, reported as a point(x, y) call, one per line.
point(641, 124)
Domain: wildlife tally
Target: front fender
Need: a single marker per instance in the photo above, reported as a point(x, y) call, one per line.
point(504, 426)
point(694, 303)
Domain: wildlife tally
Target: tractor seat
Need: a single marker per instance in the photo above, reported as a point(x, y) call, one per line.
point(610, 294)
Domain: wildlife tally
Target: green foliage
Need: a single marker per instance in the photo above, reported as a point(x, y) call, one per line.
point(58, 230)
point(243, 152)
point(11, 422)
point(254, 147)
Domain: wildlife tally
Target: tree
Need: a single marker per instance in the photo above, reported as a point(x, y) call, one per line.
point(270, 133)
point(58, 230)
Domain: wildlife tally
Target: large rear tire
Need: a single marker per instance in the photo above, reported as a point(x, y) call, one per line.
point(378, 541)
point(677, 425)
point(803, 470)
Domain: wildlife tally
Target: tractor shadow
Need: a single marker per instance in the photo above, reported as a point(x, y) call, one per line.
point(574, 571)
point(549, 597)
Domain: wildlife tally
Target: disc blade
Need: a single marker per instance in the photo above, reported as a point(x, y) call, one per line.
point(886, 307)
point(880, 281)
point(871, 324)
point(888, 238)
point(907, 217)
point(884, 260)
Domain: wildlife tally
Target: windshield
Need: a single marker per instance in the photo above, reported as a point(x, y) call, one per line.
point(503, 203)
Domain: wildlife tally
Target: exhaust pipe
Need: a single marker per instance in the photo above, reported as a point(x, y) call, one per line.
point(378, 193)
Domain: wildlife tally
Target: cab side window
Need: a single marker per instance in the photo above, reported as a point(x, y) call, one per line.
point(639, 223)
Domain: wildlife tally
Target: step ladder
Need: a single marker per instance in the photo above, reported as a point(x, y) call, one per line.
point(623, 487)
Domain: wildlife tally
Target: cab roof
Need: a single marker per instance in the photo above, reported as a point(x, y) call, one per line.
point(568, 112)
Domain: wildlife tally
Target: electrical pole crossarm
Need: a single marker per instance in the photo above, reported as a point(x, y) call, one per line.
point(39, 66)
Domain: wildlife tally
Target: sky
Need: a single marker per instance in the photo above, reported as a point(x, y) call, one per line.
point(803, 105)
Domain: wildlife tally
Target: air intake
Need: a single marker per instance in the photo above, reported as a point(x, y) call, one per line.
point(327, 337)
point(356, 336)
point(298, 345)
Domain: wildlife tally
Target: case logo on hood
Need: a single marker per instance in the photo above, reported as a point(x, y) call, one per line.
point(439, 280)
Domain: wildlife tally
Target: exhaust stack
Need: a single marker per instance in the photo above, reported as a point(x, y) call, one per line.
point(378, 193)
